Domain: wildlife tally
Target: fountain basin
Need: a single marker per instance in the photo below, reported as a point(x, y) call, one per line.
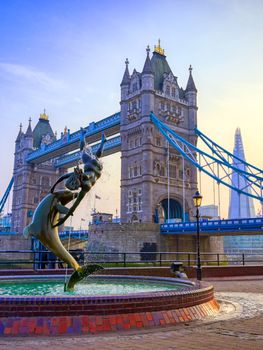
point(83, 313)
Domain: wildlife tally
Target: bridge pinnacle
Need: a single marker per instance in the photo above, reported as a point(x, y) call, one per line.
point(43, 116)
point(158, 49)
point(147, 68)
point(190, 84)
point(126, 75)
point(148, 50)
point(29, 129)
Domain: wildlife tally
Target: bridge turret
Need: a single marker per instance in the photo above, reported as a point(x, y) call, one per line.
point(20, 133)
point(125, 83)
point(147, 82)
point(42, 132)
point(191, 97)
point(28, 142)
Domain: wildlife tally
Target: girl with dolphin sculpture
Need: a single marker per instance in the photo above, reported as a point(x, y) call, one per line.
point(46, 218)
point(85, 180)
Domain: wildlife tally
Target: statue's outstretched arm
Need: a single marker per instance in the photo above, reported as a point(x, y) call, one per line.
point(61, 178)
point(82, 138)
point(100, 150)
point(62, 209)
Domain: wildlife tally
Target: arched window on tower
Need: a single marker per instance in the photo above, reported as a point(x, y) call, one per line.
point(134, 87)
point(172, 171)
point(168, 90)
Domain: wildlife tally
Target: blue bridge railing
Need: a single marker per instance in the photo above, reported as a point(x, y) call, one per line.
point(230, 225)
point(79, 234)
point(68, 139)
point(73, 158)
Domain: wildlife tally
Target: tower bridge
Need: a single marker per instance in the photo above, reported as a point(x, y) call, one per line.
point(156, 133)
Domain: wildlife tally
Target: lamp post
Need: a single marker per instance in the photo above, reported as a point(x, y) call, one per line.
point(197, 198)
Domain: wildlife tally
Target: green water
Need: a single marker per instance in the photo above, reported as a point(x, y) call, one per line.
point(90, 287)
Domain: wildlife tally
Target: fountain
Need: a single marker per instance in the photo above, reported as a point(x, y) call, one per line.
point(46, 306)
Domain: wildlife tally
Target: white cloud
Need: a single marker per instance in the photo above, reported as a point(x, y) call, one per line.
point(32, 75)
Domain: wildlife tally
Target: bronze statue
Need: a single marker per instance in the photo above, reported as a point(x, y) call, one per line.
point(44, 228)
point(85, 180)
point(46, 218)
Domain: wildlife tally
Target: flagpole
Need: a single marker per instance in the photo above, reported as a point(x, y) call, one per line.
point(94, 208)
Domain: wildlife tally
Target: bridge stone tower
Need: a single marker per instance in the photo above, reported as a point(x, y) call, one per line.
point(156, 183)
point(31, 182)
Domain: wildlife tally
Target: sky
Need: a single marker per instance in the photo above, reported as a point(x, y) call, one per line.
point(67, 56)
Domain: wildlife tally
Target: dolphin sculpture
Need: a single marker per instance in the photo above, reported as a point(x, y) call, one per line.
point(44, 228)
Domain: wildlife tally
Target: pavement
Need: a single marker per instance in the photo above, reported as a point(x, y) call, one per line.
point(239, 325)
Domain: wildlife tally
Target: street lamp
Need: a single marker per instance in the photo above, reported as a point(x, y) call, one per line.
point(197, 198)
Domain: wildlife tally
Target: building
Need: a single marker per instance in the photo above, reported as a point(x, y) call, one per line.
point(99, 218)
point(155, 180)
point(241, 206)
point(209, 212)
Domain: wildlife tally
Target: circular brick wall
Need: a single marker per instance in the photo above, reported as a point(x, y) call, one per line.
point(107, 305)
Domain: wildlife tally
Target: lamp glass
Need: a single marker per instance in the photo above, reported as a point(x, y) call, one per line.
point(197, 198)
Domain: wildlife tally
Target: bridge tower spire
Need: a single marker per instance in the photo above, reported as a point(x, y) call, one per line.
point(240, 206)
point(148, 166)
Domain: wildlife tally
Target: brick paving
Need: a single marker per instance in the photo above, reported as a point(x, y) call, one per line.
point(239, 326)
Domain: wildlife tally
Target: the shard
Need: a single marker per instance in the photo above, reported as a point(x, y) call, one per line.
point(240, 206)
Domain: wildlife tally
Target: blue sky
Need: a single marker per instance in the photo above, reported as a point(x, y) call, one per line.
point(68, 57)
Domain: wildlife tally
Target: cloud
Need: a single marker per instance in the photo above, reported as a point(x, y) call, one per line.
point(32, 75)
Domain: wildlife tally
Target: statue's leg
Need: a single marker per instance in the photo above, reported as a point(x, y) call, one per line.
point(100, 149)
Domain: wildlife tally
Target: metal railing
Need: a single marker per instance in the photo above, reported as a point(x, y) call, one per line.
point(229, 225)
point(92, 128)
point(74, 157)
point(29, 259)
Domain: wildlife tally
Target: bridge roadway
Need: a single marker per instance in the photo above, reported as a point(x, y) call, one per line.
point(70, 142)
point(230, 227)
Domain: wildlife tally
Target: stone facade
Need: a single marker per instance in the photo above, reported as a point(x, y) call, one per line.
point(145, 153)
point(122, 238)
point(15, 242)
point(142, 238)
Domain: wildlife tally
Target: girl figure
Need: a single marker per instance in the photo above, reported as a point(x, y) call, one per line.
point(82, 179)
